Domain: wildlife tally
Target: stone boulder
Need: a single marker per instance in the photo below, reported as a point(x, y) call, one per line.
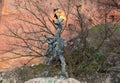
point(52, 80)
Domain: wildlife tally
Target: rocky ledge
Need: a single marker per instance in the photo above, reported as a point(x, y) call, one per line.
point(53, 80)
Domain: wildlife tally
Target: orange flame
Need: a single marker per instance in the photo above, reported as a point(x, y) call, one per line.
point(61, 14)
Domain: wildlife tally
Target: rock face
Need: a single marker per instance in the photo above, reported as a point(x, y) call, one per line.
point(8, 14)
point(53, 80)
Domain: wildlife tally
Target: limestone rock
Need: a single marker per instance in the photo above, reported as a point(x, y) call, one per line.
point(52, 80)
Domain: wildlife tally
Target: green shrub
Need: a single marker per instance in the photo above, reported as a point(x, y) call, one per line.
point(87, 58)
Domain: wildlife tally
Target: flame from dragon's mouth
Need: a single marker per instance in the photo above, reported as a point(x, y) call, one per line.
point(61, 14)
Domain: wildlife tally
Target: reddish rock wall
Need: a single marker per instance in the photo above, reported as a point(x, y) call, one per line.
point(89, 9)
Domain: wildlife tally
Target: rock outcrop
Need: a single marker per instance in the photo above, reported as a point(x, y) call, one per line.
point(53, 80)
